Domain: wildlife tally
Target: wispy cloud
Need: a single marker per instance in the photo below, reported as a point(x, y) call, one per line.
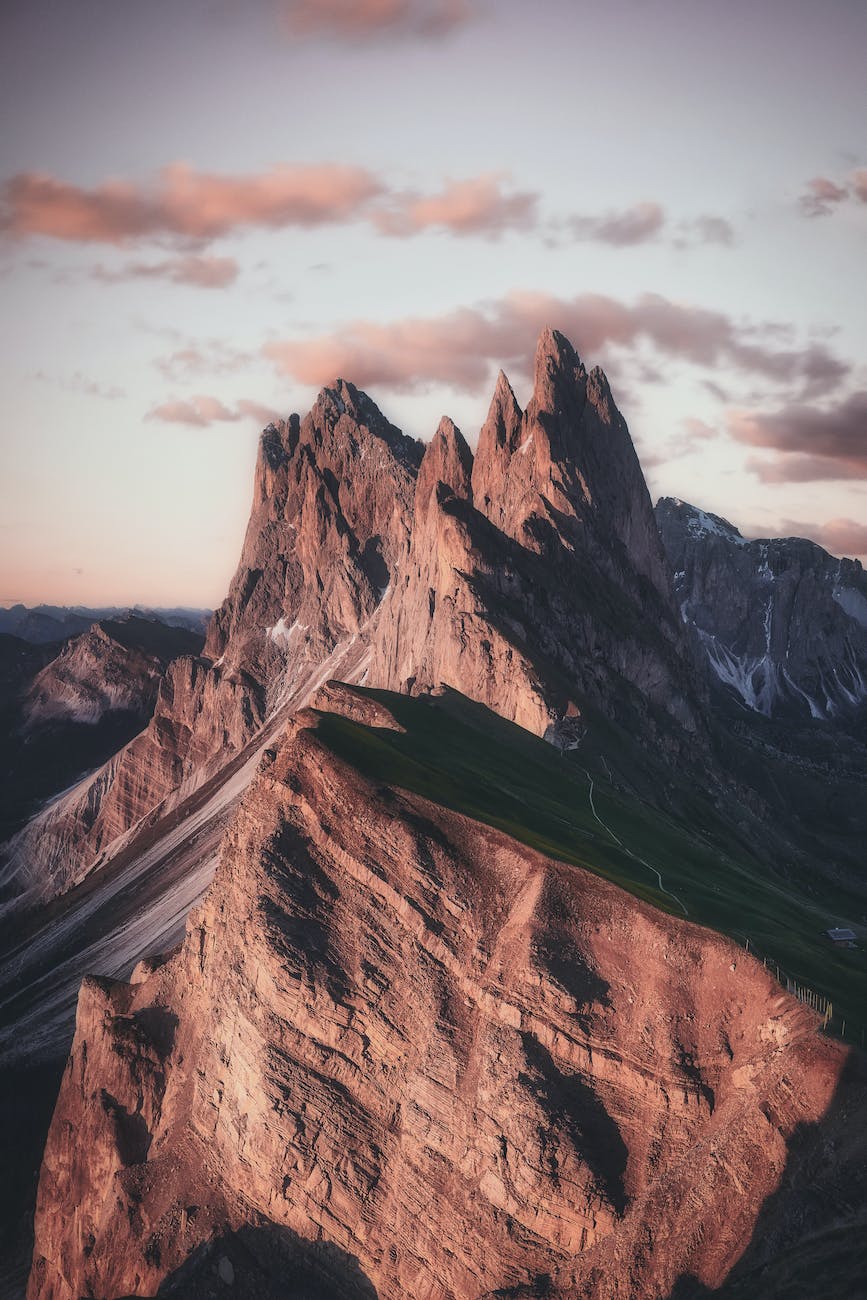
point(478, 206)
point(189, 208)
point(200, 272)
point(635, 225)
point(839, 536)
point(209, 356)
point(704, 229)
point(82, 384)
point(184, 204)
point(203, 410)
point(353, 20)
point(821, 195)
point(460, 347)
point(641, 223)
point(810, 442)
point(186, 209)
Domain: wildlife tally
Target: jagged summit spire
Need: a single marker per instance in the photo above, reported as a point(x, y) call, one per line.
point(447, 461)
point(557, 372)
point(503, 421)
point(342, 398)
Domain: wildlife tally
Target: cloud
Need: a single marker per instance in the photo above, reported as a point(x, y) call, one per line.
point(202, 410)
point(644, 223)
point(353, 20)
point(635, 225)
point(261, 414)
point(201, 272)
point(705, 229)
point(186, 207)
point(213, 356)
point(811, 442)
point(477, 206)
point(460, 347)
point(839, 536)
point(690, 438)
point(184, 204)
point(80, 383)
point(697, 430)
point(822, 195)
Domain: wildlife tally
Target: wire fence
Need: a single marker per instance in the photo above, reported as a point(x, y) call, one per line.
point(816, 1001)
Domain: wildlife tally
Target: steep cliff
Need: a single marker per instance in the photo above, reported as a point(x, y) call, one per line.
point(401, 1053)
point(114, 667)
point(531, 579)
point(782, 624)
point(66, 708)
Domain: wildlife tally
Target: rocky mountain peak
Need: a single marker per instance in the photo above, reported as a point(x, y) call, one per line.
point(447, 463)
point(559, 378)
point(781, 624)
point(347, 417)
point(676, 514)
point(375, 559)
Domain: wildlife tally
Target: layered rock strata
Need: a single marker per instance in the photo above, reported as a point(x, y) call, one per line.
point(531, 578)
point(398, 1054)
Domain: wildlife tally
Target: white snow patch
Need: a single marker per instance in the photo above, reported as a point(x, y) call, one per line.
point(701, 524)
point(280, 632)
point(754, 678)
point(525, 445)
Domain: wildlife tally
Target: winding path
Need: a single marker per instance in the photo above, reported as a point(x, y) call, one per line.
point(634, 856)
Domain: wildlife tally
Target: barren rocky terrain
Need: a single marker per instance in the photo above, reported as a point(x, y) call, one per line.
point(506, 971)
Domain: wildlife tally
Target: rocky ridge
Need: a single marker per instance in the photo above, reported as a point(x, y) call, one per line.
point(114, 667)
point(530, 577)
point(67, 707)
point(781, 624)
point(462, 1068)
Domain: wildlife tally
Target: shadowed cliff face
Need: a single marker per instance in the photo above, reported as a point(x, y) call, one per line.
point(468, 1069)
point(782, 624)
point(66, 708)
point(531, 580)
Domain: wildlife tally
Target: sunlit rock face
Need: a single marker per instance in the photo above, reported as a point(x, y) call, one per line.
point(781, 623)
point(398, 1053)
point(531, 578)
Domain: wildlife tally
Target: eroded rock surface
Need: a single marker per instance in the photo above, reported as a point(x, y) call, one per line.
point(781, 623)
point(406, 1055)
point(530, 578)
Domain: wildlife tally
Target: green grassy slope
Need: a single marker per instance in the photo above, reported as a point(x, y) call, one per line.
point(466, 758)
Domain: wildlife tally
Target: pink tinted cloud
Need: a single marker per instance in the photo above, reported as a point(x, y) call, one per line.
point(478, 206)
point(200, 411)
point(460, 347)
point(184, 203)
point(203, 410)
point(211, 356)
point(839, 536)
point(810, 442)
point(353, 20)
point(200, 272)
point(821, 196)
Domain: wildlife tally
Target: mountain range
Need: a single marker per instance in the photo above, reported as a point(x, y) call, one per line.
point(456, 926)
